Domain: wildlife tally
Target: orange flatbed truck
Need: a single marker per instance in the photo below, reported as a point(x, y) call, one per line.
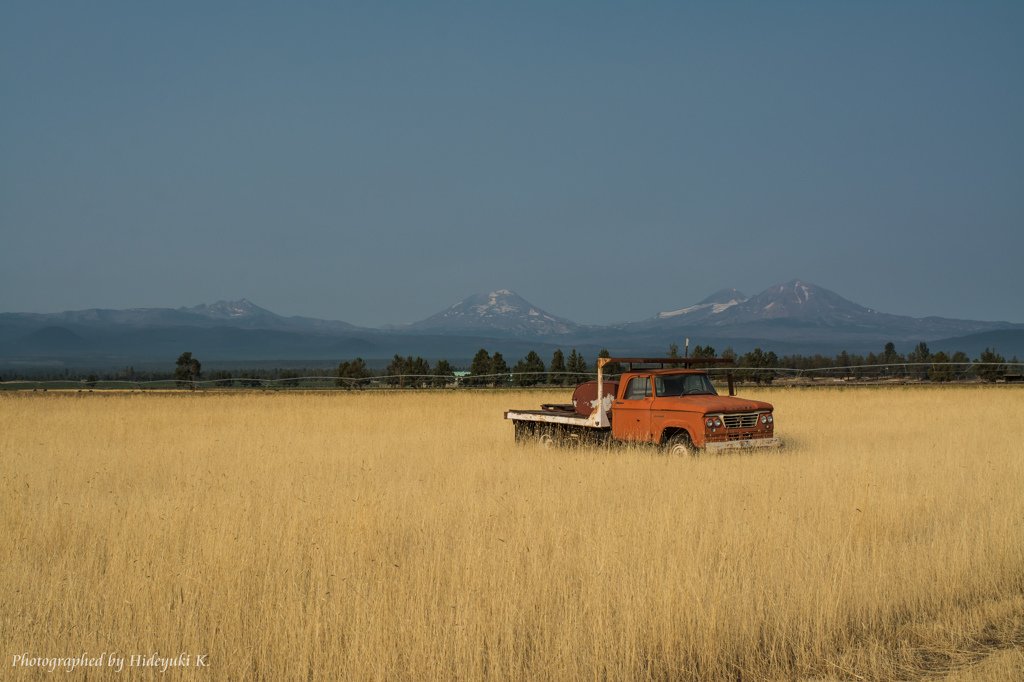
point(676, 408)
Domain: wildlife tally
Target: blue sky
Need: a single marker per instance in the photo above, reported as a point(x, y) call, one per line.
point(377, 162)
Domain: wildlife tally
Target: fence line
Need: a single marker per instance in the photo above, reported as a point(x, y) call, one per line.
point(476, 380)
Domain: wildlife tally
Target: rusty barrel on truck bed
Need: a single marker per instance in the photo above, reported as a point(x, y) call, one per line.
point(584, 398)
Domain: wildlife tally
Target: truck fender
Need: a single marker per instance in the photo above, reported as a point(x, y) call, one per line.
point(669, 431)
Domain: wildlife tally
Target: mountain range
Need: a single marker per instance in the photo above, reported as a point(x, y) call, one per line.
point(795, 317)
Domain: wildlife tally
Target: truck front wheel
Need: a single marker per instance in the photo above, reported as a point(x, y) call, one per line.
point(680, 445)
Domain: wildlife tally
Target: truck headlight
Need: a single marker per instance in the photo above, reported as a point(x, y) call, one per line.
point(764, 419)
point(710, 422)
point(718, 422)
point(770, 419)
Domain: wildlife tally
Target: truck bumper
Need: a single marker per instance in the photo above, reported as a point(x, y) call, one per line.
point(748, 444)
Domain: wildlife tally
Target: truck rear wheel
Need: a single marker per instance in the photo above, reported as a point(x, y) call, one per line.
point(680, 445)
point(549, 436)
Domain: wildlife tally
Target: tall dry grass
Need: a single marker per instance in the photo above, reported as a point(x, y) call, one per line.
point(402, 535)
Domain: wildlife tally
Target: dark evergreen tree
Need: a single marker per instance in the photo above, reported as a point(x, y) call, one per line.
point(417, 372)
point(443, 373)
point(990, 365)
point(703, 352)
point(520, 375)
point(529, 371)
point(961, 364)
point(556, 374)
point(187, 371)
point(940, 370)
point(351, 374)
point(891, 361)
point(758, 366)
point(480, 369)
point(917, 359)
point(570, 367)
point(576, 367)
point(500, 370)
point(535, 364)
point(407, 372)
point(394, 374)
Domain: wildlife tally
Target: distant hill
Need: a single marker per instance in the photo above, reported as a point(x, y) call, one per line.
point(56, 341)
point(239, 313)
point(1006, 342)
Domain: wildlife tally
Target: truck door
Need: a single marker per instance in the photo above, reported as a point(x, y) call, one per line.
point(632, 413)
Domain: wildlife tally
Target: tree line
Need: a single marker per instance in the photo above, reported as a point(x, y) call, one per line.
point(920, 363)
point(407, 372)
point(757, 366)
point(487, 369)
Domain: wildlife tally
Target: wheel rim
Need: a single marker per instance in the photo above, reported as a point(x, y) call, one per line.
point(546, 441)
point(680, 449)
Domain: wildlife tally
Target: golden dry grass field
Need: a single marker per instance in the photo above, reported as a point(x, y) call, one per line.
point(404, 536)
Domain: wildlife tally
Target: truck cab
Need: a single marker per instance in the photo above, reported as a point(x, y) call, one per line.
point(681, 410)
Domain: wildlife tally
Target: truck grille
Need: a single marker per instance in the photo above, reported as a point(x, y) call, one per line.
point(740, 421)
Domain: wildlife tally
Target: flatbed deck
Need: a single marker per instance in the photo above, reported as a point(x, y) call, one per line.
point(570, 417)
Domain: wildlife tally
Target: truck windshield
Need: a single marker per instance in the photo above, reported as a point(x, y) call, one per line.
point(683, 384)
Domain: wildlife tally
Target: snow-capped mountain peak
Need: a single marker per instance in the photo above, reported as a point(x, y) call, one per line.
point(797, 299)
point(501, 311)
point(712, 305)
point(228, 310)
